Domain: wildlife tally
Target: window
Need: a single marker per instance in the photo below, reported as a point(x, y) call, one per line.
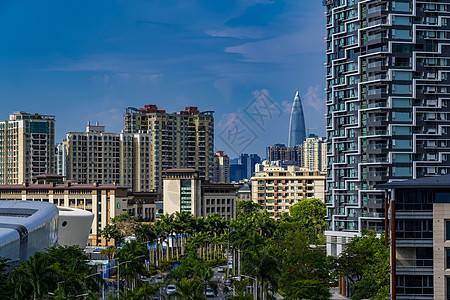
point(447, 230)
point(447, 258)
point(400, 102)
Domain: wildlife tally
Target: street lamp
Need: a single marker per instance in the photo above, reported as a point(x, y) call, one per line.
point(118, 274)
point(255, 292)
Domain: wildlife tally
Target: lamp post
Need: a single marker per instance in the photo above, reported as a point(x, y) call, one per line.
point(255, 292)
point(95, 274)
point(118, 273)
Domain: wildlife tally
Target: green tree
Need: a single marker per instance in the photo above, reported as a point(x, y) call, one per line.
point(310, 213)
point(35, 277)
point(5, 291)
point(365, 262)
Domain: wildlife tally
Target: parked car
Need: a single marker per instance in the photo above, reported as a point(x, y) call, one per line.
point(221, 269)
point(171, 289)
point(209, 292)
point(158, 279)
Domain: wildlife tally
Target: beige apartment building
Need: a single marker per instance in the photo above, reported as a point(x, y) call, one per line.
point(314, 153)
point(184, 190)
point(105, 201)
point(277, 189)
point(107, 158)
point(221, 167)
point(27, 147)
point(184, 139)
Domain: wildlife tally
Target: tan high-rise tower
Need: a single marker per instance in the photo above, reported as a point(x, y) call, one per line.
point(104, 157)
point(27, 147)
point(183, 139)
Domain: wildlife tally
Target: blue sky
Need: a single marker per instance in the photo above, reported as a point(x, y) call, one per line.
point(87, 60)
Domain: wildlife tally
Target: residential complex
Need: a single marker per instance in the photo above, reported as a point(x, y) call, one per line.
point(297, 128)
point(107, 158)
point(27, 147)
point(277, 189)
point(184, 190)
point(419, 230)
point(183, 139)
point(387, 105)
point(221, 168)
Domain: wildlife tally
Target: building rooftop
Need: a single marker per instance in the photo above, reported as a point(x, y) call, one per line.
point(423, 182)
point(181, 170)
point(65, 185)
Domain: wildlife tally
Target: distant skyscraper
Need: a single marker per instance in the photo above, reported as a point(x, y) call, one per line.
point(221, 168)
point(297, 128)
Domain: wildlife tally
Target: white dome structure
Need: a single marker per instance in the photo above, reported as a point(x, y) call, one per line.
point(74, 226)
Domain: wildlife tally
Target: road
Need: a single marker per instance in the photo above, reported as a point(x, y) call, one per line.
point(218, 277)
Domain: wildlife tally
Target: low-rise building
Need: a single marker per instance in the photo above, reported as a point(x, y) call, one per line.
point(185, 191)
point(105, 201)
point(277, 189)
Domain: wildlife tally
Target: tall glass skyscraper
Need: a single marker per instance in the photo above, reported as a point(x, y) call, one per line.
point(297, 128)
point(388, 109)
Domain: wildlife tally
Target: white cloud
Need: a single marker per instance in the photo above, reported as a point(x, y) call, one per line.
point(225, 87)
point(282, 48)
point(236, 33)
point(314, 98)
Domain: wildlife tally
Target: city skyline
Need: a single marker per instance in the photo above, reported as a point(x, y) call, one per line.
point(83, 63)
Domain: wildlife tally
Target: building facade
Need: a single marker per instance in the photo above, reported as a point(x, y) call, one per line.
point(419, 230)
point(277, 189)
point(183, 139)
point(221, 167)
point(387, 105)
point(314, 153)
point(27, 144)
point(26, 228)
point(279, 152)
point(107, 158)
point(184, 190)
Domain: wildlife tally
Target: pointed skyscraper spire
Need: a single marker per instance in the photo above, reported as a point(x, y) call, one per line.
point(297, 128)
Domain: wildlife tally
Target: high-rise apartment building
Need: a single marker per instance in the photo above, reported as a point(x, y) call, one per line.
point(221, 167)
point(183, 139)
point(297, 128)
point(387, 104)
point(314, 153)
point(27, 147)
point(96, 156)
point(61, 160)
point(279, 152)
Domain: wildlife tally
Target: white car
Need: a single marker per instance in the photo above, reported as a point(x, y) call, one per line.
point(158, 279)
point(209, 292)
point(171, 289)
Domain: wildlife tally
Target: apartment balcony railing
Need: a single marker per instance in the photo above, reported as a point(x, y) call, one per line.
point(405, 263)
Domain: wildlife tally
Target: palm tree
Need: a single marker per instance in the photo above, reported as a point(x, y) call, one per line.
point(133, 252)
point(264, 265)
point(188, 290)
point(34, 277)
point(109, 252)
point(167, 226)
